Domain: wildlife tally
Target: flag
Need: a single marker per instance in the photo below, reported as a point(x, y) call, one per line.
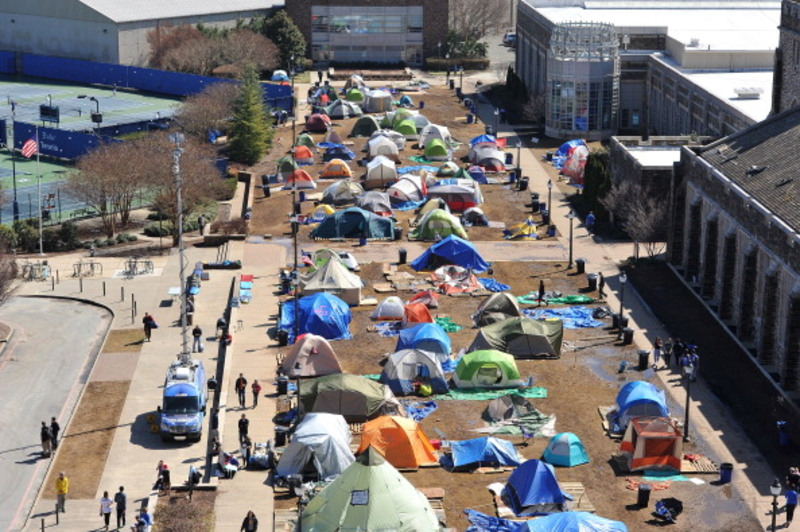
point(30, 148)
point(306, 258)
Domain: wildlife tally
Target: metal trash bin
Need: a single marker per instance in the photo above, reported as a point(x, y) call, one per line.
point(470, 118)
point(302, 197)
point(644, 358)
point(280, 436)
point(725, 473)
point(452, 84)
point(643, 495)
point(627, 336)
point(402, 256)
point(283, 385)
point(535, 206)
point(398, 233)
point(591, 280)
point(534, 197)
point(551, 231)
point(512, 177)
point(581, 264)
point(545, 215)
point(523, 184)
point(509, 158)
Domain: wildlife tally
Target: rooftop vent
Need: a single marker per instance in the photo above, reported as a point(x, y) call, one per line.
point(748, 93)
point(694, 42)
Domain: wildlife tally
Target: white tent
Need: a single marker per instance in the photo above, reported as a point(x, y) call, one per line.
point(382, 145)
point(333, 277)
point(342, 193)
point(378, 101)
point(410, 187)
point(394, 136)
point(333, 137)
point(433, 131)
point(380, 172)
point(343, 109)
point(390, 309)
point(323, 439)
point(421, 121)
point(310, 356)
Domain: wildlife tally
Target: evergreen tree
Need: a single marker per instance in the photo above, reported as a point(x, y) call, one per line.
point(251, 128)
point(281, 30)
point(597, 182)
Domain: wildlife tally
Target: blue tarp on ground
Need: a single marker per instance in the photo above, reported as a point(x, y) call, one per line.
point(408, 169)
point(563, 522)
point(492, 285)
point(354, 223)
point(572, 317)
point(426, 337)
point(486, 451)
point(532, 489)
point(322, 314)
point(639, 398)
point(419, 411)
point(454, 250)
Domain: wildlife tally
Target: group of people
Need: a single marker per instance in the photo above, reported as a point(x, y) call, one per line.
point(49, 437)
point(241, 391)
point(684, 354)
point(143, 522)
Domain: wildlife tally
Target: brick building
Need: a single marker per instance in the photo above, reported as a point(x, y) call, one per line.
point(787, 58)
point(381, 31)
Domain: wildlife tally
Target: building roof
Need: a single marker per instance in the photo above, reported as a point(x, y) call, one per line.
point(760, 161)
point(750, 26)
point(723, 84)
point(130, 11)
point(655, 157)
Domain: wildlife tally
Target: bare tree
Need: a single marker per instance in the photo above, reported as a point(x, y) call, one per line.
point(165, 38)
point(641, 214)
point(246, 47)
point(210, 109)
point(474, 19)
point(202, 55)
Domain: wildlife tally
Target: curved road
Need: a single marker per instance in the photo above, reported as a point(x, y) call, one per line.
point(42, 372)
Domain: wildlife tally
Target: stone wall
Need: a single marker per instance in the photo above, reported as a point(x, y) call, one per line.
point(789, 44)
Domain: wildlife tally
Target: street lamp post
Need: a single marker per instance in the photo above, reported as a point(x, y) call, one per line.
point(439, 52)
point(571, 217)
point(11, 145)
point(178, 139)
point(461, 83)
point(550, 195)
point(519, 161)
point(775, 490)
point(622, 280)
point(687, 372)
point(447, 60)
point(97, 116)
point(294, 117)
point(496, 121)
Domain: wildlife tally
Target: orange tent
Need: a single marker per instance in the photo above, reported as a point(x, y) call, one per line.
point(417, 313)
point(337, 168)
point(653, 443)
point(301, 180)
point(303, 155)
point(399, 440)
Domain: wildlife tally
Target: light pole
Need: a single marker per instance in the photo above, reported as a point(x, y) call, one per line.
point(294, 117)
point(775, 490)
point(447, 60)
point(178, 139)
point(519, 162)
point(687, 372)
point(496, 121)
point(550, 195)
point(439, 53)
point(571, 217)
point(13, 158)
point(622, 280)
point(461, 83)
point(97, 116)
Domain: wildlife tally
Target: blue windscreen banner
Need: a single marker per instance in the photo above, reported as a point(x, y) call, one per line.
point(59, 143)
point(130, 77)
point(8, 63)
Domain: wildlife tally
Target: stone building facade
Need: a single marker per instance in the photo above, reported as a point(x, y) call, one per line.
point(786, 84)
point(380, 31)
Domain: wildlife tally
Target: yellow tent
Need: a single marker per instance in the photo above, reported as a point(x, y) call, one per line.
point(524, 231)
point(337, 168)
point(399, 440)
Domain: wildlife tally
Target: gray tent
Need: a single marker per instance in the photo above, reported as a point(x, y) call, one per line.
point(376, 202)
point(496, 307)
point(522, 337)
point(342, 193)
point(320, 448)
point(507, 407)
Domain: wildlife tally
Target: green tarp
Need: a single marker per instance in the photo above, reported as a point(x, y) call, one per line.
point(483, 394)
point(532, 298)
point(448, 325)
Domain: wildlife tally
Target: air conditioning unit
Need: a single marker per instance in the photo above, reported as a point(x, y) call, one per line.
point(694, 42)
point(749, 93)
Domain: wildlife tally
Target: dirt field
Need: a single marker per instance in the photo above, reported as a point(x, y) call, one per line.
point(584, 378)
point(177, 514)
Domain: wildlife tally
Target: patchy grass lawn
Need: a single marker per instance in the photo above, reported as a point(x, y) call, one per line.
point(177, 513)
point(124, 341)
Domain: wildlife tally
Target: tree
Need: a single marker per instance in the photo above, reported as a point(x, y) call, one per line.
point(474, 19)
point(465, 47)
point(596, 182)
point(214, 49)
point(210, 109)
point(8, 273)
point(164, 39)
point(640, 213)
point(251, 129)
point(281, 29)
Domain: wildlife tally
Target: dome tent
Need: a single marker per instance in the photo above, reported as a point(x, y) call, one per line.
point(532, 489)
point(380, 172)
point(378, 101)
point(300, 180)
point(321, 440)
point(332, 137)
point(433, 131)
point(354, 223)
point(639, 398)
point(310, 356)
point(426, 337)
point(304, 139)
point(333, 277)
point(505, 407)
point(355, 397)
point(337, 169)
point(375, 202)
point(652, 443)
point(408, 365)
point(407, 128)
point(486, 451)
point(365, 126)
point(370, 495)
point(573, 522)
point(390, 309)
point(522, 338)
point(303, 155)
point(448, 169)
point(354, 95)
point(474, 216)
point(438, 223)
point(400, 440)
point(565, 449)
point(341, 193)
point(318, 123)
point(337, 151)
point(285, 166)
point(435, 150)
point(415, 313)
point(398, 139)
point(451, 250)
point(459, 194)
point(279, 75)
point(354, 81)
point(381, 145)
point(497, 307)
point(341, 109)
point(487, 369)
point(431, 204)
point(409, 188)
point(322, 314)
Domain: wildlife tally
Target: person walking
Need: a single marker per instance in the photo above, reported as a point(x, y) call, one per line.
point(149, 323)
point(241, 389)
point(256, 392)
point(791, 504)
point(121, 502)
point(146, 519)
point(197, 339)
point(55, 428)
point(667, 352)
point(244, 428)
point(250, 523)
point(214, 424)
point(62, 488)
point(601, 292)
point(166, 480)
point(658, 344)
point(106, 505)
point(541, 292)
point(590, 219)
point(694, 360)
point(246, 449)
point(47, 440)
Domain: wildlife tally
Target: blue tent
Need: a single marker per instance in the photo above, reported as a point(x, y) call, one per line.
point(338, 151)
point(568, 146)
point(486, 451)
point(532, 489)
point(354, 223)
point(279, 75)
point(322, 314)
point(453, 250)
point(428, 337)
point(565, 449)
point(477, 174)
point(483, 138)
point(572, 522)
point(636, 399)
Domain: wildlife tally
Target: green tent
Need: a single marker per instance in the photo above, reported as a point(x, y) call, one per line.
point(355, 397)
point(407, 128)
point(461, 173)
point(286, 166)
point(370, 495)
point(435, 150)
point(354, 95)
point(439, 222)
point(354, 223)
point(400, 115)
point(304, 139)
point(365, 126)
point(487, 369)
point(522, 338)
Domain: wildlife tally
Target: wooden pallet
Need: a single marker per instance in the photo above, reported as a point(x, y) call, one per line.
point(356, 428)
point(384, 288)
point(580, 502)
point(702, 465)
point(491, 470)
point(435, 496)
point(285, 520)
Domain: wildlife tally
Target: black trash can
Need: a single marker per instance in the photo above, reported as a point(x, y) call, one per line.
point(398, 232)
point(627, 336)
point(725, 473)
point(542, 205)
point(509, 159)
point(644, 358)
point(265, 185)
point(551, 231)
point(549, 156)
point(535, 206)
point(624, 321)
point(452, 84)
point(591, 280)
point(534, 197)
point(283, 385)
point(403, 255)
point(643, 495)
point(581, 264)
point(459, 94)
point(545, 215)
point(280, 436)
point(283, 338)
point(523, 184)
point(298, 208)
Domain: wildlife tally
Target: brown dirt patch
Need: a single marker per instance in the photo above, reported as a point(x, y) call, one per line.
point(83, 450)
point(123, 341)
point(177, 513)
